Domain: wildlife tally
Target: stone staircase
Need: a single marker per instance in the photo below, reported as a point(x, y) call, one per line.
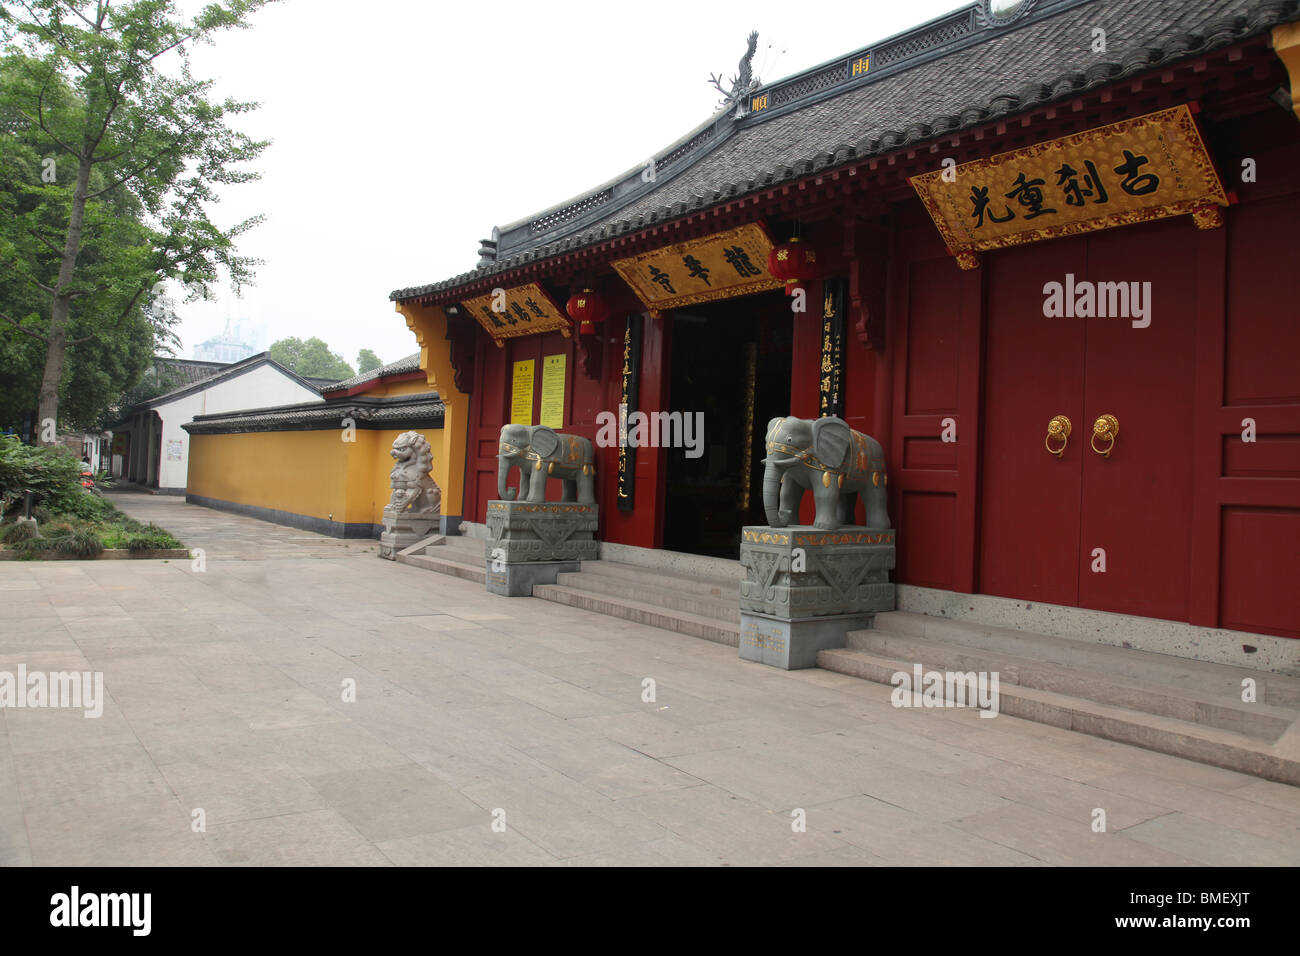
point(1174, 705)
point(1191, 709)
point(688, 604)
point(460, 557)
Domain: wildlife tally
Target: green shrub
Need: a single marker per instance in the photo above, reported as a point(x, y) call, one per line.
point(13, 533)
point(152, 539)
point(53, 475)
point(82, 544)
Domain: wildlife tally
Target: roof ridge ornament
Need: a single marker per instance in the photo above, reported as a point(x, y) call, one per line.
point(743, 83)
point(998, 13)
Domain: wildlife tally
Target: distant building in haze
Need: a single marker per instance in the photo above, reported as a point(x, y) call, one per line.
point(226, 347)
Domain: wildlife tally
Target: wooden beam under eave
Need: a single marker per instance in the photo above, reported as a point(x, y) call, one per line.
point(1286, 44)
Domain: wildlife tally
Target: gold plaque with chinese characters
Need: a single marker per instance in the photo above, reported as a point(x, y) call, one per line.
point(1133, 171)
point(523, 310)
point(719, 266)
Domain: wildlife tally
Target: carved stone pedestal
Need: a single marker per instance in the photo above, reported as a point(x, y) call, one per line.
point(531, 543)
point(405, 529)
point(805, 589)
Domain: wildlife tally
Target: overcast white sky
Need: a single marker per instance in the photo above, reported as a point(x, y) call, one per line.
point(404, 130)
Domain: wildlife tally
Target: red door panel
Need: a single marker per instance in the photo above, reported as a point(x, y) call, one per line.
point(1029, 528)
point(1137, 503)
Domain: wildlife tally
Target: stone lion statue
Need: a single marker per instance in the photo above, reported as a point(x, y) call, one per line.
point(413, 489)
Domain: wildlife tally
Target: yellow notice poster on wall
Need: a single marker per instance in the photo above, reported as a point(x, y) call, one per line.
point(521, 394)
point(553, 391)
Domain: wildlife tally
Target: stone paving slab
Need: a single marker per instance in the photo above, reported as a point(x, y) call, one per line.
point(227, 692)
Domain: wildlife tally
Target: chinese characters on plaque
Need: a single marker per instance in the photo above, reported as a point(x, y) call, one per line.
point(715, 267)
point(631, 379)
point(523, 310)
point(521, 393)
point(553, 390)
point(831, 375)
point(1137, 170)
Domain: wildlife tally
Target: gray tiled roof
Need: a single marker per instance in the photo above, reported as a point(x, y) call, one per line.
point(185, 371)
point(1038, 62)
point(410, 363)
point(395, 412)
point(223, 374)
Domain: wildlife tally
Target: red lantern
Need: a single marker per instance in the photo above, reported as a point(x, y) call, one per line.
point(794, 262)
point(588, 309)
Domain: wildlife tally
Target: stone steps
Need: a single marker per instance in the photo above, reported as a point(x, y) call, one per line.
point(1216, 681)
point(1227, 713)
point(455, 562)
point(667, 617)
point(632, 574)
point(1190, 709)
point(649, 591)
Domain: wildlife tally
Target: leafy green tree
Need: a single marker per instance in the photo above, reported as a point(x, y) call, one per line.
point(367, 361)
point(83, 83)
point(311, 357)
point(104, 355)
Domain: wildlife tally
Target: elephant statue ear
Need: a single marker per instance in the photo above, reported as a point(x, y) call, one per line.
point(832, 439)
point(772, 426)
point(545, 441)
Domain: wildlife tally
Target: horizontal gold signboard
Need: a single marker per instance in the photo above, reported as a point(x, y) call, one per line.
point(719, 266)
point(1133, 171)
point(523, 310)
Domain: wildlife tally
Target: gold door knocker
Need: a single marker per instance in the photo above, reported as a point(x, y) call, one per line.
point(1106, 428)
point(1058, 429)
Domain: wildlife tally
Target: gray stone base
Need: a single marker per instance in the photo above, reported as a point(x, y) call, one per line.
point(793, 644)
point(523, 531)
point(517, 580)
point(402, 531)
point(800, 571)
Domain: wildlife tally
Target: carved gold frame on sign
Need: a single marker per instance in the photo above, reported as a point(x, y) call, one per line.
point(1204, 208)
point(562, 323)
point(626, 270)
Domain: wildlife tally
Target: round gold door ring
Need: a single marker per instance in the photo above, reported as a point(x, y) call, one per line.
point(1058, 429)
point(1106, 427)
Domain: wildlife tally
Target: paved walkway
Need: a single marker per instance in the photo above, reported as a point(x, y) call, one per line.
point(225, 692)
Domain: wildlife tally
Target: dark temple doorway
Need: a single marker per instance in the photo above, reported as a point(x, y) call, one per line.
point(731, 361)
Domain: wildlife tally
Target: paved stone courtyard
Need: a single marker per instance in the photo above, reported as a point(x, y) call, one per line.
point(225, 694)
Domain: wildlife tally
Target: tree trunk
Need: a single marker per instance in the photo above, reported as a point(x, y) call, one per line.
point(61, 309)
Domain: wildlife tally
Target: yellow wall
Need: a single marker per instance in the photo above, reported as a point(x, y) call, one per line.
point(415, 386)
point(430, 327)
point(313, 473)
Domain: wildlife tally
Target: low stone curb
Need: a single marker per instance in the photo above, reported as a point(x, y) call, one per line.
point(108, 554)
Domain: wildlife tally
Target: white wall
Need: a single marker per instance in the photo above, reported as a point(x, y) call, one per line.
point(261, 387)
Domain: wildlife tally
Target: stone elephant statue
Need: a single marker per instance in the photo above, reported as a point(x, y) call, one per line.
point(830, 459)
point(540, 453)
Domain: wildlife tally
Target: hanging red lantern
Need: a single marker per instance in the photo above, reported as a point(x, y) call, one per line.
point(588, 309)
point(793, 261)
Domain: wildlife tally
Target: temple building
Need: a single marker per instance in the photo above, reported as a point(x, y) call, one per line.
point(1038, 250)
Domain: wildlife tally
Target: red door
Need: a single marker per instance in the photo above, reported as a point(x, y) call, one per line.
point(1137, 503)
point(1033, 372)
point(1104, 532)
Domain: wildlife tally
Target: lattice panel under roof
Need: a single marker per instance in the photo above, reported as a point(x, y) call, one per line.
point(572, 211)
point(937, 36)
point(823, 79)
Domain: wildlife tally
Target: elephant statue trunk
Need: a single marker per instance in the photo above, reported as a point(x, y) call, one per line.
point(503, 475)
point(773, 471)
